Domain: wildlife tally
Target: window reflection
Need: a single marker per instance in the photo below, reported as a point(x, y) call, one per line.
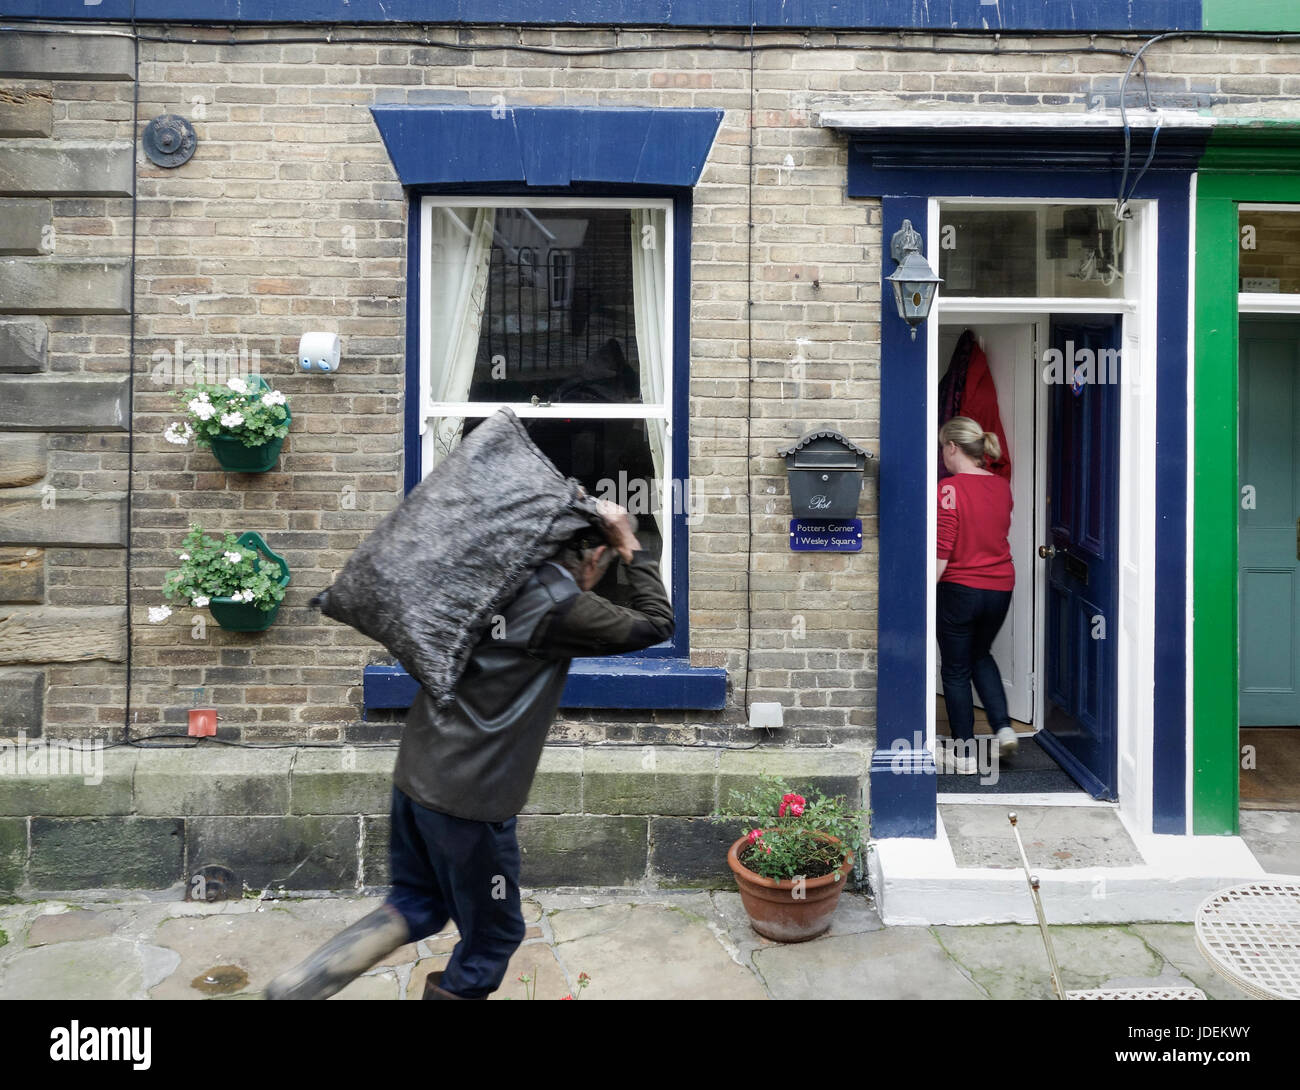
point(1269, 252)
point(1026, 250)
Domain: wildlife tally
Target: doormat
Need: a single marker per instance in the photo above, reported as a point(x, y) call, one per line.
point(1273, 783)
point(1030, 770)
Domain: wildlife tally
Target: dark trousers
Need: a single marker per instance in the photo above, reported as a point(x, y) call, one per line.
point(968, 621)
point(445, 867)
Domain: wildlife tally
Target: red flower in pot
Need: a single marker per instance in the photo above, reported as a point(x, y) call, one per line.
point(790, 868)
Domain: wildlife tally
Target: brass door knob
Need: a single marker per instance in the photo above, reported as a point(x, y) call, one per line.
point(1046, 552)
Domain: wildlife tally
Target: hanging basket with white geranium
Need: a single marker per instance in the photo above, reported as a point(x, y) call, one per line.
point(239, 580)
point(244, 422)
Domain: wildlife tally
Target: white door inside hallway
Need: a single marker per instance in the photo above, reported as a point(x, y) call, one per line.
point(1010, 350)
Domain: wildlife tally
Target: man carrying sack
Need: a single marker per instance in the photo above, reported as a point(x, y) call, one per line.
point(464, 770)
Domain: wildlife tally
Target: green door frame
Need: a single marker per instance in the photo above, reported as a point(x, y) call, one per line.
point(1250, 163)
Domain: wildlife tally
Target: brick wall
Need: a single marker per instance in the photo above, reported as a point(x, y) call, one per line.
point(290, 217)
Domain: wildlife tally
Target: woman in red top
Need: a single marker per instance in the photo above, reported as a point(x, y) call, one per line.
point(975, 582)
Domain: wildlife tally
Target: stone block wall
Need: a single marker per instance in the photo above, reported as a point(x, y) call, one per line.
point(300, 819)
point(65, 292)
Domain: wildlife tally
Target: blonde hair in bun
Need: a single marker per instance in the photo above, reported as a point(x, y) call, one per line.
point(976, 443)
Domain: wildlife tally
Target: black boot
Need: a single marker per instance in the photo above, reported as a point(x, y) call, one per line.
point(344, 958)
point(433, 988)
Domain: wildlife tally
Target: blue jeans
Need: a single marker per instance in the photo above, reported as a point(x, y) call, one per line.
point(445, 867)
point(968, 621)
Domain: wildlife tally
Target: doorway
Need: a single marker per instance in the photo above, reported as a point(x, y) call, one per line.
point(1058, 398)
point(1269, 561)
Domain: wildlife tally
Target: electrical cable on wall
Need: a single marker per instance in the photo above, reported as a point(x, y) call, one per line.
point(749, 382)
point(130, 380)
point(234, 743)
point(16, 23)
point(1125, 195)
point(330, 38)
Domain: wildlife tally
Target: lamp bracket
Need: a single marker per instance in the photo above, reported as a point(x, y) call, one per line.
point(906, 240)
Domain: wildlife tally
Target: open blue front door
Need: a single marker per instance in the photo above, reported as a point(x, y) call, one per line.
point(1081, 552)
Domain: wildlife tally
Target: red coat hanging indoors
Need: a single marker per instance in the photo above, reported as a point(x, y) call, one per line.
point(967, 390)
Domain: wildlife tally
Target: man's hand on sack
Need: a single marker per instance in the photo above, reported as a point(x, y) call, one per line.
point(619, 528)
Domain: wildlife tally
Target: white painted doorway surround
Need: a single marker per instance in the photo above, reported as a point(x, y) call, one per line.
point(1011, 321)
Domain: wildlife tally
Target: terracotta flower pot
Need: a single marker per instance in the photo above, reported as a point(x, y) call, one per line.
point(775, 909)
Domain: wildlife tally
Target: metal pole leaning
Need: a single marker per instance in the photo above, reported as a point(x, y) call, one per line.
point(1038, 909)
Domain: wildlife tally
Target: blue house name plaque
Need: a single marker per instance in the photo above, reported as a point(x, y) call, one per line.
point(826, 535)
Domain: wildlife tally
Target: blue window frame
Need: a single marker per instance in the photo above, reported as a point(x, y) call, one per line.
point(584, 158)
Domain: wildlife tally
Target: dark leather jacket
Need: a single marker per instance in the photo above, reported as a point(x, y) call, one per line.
point(476, 759)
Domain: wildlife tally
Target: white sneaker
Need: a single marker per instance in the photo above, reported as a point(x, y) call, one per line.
point(951, 762)
point(1007, 740)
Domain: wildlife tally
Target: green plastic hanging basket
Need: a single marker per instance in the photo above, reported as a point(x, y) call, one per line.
point(234, 457)
point(245, 616)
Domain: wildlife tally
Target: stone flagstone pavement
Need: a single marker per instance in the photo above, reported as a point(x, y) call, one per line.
point(632, 944)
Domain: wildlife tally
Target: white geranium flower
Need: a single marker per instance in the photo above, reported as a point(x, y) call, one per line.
point(234, 558)
point(158, 614)
point(247, 595)
point(200, 602)
point(202, 408)
point(178, 433)
point(238, 385)
point(231, 420)
point(273, 397)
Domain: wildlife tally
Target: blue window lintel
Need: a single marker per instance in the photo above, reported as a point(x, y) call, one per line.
point(546, 145)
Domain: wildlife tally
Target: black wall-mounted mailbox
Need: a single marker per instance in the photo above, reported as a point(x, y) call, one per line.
point(825, 471)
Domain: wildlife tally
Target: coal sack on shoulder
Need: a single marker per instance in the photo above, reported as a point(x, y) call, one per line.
point(429, 578)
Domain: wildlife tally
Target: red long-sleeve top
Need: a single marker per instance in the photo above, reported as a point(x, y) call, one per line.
point(974, 521)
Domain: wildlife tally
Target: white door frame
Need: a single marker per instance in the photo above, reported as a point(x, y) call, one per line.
point(1135, 621)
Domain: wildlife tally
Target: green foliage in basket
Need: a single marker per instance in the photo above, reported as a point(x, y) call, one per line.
point(247, 410)
point(222, 569)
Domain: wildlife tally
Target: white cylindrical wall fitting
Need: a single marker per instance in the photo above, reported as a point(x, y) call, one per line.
point(319, 351)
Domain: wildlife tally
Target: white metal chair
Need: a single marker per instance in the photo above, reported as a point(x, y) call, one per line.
point(1088, 993)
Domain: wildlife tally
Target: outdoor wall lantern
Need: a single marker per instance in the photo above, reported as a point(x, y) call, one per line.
point(914, 281)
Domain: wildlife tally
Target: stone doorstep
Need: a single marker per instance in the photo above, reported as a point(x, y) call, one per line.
point(921, 882)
